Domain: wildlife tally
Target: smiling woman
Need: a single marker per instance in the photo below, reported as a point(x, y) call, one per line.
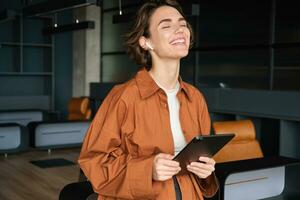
point(128, 150)
point(141, 29)
point(170, 36)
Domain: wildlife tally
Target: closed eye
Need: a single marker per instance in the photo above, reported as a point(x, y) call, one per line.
point(164, 27)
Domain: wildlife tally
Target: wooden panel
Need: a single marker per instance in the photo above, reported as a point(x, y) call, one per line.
point(21, 180)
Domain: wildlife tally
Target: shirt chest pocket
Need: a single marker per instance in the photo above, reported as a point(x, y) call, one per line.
point(150, 131)
point(189, 124)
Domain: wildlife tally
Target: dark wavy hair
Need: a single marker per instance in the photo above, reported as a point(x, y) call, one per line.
point(141, 28)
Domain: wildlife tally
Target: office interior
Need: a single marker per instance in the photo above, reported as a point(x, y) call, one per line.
point(58, 57)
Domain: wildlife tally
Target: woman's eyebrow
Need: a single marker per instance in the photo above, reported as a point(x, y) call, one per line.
point(164, 20)
point(170, 20)
point(181, 19)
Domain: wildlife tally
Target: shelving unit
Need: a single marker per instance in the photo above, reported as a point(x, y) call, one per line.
point(27, 56)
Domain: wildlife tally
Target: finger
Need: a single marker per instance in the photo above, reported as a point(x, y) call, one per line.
point(207, 160)
point(169, 163)
point(196, 170)
point(203, 166)
point(199, 172)
point(164, 178)
point(166, 173)
point(163, 168)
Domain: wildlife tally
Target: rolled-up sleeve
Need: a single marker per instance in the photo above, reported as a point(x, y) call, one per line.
point(109, 167)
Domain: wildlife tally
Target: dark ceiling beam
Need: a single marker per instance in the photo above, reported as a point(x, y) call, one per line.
point(69, 27)
point(52, 6)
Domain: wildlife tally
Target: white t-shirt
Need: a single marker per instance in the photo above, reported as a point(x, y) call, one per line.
point(173, 103)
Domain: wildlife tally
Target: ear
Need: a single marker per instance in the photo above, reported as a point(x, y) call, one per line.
point(142, 42)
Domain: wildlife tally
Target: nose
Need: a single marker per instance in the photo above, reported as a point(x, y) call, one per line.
point(179, 29)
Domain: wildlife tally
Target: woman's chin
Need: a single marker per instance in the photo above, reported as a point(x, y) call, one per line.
point(181, 54)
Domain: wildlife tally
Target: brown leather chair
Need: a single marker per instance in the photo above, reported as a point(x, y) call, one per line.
point(243, 146)
point(79, 109)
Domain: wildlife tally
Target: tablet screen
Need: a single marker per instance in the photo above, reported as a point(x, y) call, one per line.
point(202, 145)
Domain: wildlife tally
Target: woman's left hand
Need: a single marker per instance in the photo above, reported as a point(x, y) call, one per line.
point(202, 169)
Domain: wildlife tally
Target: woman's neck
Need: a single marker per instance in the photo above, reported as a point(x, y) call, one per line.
point(165, 73)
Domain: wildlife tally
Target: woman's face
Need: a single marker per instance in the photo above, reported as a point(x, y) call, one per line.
point(170, 36)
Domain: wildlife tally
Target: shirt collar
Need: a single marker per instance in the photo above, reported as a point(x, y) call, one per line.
point(147, 86)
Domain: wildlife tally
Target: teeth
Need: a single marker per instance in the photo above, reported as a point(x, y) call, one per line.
point(178, 41)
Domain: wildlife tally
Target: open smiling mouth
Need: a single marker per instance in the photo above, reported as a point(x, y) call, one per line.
point(179, 41)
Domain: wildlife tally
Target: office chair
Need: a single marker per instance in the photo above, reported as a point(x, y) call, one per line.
point(79, 109)
point(243, 146)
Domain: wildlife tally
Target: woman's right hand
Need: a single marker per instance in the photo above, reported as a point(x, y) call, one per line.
point(164, 167)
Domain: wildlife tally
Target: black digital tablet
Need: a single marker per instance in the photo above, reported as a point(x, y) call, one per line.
point(202, 145)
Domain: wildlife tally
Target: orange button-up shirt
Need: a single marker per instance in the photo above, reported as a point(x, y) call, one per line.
point(130, 128)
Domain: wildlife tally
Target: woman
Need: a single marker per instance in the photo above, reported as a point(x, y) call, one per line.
point(128, 150)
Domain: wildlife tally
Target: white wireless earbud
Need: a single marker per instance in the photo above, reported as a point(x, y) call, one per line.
point(150, 47)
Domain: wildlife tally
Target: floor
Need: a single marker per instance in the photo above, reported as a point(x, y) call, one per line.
point(21, 180)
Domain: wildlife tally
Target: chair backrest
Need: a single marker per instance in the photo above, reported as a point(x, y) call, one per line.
point(76, 191)
point(243, 146)
point(79, 108)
